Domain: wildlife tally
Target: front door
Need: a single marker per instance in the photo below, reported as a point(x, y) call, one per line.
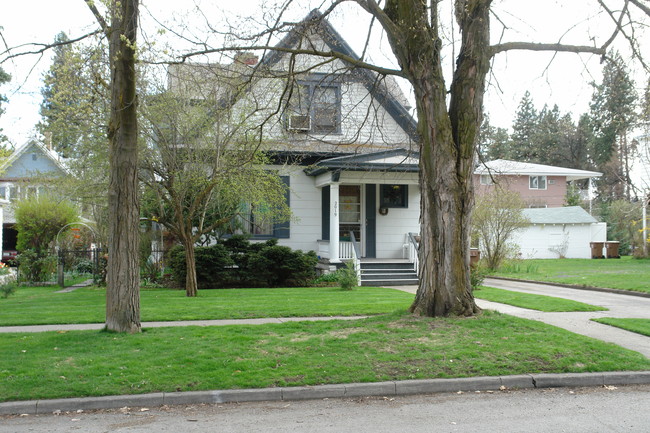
point(350, 213)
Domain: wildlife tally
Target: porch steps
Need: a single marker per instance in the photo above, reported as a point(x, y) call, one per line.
point(388, 274)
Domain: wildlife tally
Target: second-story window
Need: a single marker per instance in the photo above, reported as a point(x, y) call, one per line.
point(315, 107)
point(537, 182)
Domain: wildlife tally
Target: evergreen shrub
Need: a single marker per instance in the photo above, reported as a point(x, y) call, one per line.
point(237, 262)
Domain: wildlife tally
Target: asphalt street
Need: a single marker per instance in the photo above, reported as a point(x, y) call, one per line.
point(592, 410)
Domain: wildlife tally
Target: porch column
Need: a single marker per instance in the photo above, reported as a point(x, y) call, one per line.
point(334, 223)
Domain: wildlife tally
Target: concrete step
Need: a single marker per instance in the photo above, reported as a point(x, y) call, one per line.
point(389, 276)
point(380, 283)
point(386, 271)
point(387, 265)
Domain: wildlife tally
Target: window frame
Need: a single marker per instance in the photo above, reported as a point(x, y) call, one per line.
point(537, 178)
point(280, 230)
point(486, 179)
point(403, 199)
point(312, 84)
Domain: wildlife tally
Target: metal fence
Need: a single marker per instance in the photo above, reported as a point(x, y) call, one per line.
point(81, 262)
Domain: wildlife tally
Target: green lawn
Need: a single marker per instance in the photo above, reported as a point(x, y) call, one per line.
point(625, 273)
point(533, 302)
point(640, 326)
point(389, 347)
point(40, 305)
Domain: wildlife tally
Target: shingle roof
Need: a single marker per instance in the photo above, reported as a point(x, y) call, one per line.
point(559, 215)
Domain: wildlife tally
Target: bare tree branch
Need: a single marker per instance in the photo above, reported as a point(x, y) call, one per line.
point(311, 52)
point(98, 16)
point(618, 22)
point(43, 47)
point(620, 28)
point(643, 7)
point(531, 46)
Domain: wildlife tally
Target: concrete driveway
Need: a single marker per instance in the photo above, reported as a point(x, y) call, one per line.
point(618, 305)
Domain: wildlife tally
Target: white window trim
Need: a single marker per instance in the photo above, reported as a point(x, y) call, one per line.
point(530, 181)
point(486, 179)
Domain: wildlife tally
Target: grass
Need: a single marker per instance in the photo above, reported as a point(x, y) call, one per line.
point(533, 302)
point(640, 326)
point(41, 305)
point(625, 273)
point(389, 347)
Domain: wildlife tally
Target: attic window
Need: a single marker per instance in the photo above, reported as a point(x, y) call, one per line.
point(34, 157)
point(315, 107)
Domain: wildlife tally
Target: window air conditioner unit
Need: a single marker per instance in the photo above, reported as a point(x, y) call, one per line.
point(299, 123)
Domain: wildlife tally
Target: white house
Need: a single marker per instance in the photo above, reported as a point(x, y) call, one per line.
point(340, 137)
point(559, 232)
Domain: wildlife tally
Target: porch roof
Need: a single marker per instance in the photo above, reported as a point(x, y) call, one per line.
point(397, 160)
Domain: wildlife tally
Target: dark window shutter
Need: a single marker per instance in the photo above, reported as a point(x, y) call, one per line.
point(283, 230)
point(325, 213)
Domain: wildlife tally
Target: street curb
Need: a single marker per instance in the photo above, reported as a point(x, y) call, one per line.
point(386, 389)
point(577, 287)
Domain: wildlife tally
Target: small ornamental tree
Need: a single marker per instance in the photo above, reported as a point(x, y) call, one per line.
point(38, 220)
point(497, 216)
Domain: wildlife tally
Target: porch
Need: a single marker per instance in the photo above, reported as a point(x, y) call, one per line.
point(372, 271)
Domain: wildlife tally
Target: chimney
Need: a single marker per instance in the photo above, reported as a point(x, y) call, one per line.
point(246, 58)
point(48, 139)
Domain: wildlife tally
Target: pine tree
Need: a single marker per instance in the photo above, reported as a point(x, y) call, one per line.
point(74, 108)
point(494, 142)
point(522, 148)
point(613, 115)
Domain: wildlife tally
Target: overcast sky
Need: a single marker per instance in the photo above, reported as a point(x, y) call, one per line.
point(563, 79)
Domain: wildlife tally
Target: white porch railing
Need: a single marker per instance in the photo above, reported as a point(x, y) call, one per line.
point(413, 245)
point(346, 250)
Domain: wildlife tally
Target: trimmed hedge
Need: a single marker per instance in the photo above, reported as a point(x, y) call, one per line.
point(236, 262)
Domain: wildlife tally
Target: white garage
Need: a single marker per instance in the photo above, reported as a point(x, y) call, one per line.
point(559, 232)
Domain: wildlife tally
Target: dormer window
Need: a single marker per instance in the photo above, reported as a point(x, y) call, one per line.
point(537, 182)
point(315, 107)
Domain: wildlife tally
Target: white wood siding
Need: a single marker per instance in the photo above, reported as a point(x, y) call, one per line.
point(392, 227)
point(534, 241)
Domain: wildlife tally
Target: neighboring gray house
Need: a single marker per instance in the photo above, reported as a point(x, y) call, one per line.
point(26, 172)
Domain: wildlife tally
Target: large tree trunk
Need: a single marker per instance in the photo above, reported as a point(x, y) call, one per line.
point(447, 144)
point(123, 274)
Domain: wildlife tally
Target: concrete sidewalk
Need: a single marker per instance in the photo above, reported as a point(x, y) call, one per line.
point(618, 305)
point(99, 326)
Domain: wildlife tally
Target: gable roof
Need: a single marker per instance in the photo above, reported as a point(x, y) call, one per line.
point(506, 167)
point(400, 160)
point(559, 215)
point(22, 150)
point(389, 95)
point(384, 89)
